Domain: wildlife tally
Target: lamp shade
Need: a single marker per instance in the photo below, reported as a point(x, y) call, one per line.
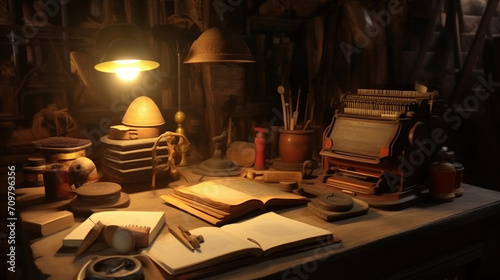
point(219, 44)
point(143, 112)
point(122, 46)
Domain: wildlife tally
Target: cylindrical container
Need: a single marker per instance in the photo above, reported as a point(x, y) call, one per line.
point(62, 149)
point(459, 170)
point(296, 146)
point(442, 177)
point(56, 181)
point(33, 171)
point(458, 190)
point(260, 148)
point(65, 158)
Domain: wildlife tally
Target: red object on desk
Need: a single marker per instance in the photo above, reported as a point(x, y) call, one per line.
point(56, 181)
point(260, 147)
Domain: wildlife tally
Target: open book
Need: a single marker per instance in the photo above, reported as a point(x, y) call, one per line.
point(154, 220)
point(255, 238)
point(221, 200)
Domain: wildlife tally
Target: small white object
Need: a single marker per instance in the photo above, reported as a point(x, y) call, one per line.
point(123, 240)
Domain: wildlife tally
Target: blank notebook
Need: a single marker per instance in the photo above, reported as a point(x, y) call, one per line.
point(260, 236)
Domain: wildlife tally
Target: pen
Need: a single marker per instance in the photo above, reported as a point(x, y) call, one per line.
point(179, 235)
point(195, 240)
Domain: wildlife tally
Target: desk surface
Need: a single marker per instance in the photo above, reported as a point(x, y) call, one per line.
point(376, 227)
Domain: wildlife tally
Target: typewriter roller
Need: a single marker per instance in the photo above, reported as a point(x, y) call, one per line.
point(371, 147)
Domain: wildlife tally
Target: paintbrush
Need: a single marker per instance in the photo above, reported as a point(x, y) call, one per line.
point(287, 108)
point(281, 91)
point(306, 125)
point(295, 116)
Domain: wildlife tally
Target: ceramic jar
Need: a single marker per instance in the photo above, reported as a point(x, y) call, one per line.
point(295, 146)
point(442, 177)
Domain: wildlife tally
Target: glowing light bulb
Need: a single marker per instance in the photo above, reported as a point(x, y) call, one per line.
point(127, 61)
point(128, 73)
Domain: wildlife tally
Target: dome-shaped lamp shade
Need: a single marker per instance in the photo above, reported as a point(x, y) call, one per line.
point(126, 53)
point(122, 46)
point(219, 44)
point(143, 112)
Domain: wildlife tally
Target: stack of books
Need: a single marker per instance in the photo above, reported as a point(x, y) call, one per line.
point(222, 200)
point(130, 161)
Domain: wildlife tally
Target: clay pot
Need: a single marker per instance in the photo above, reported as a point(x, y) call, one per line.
point(442, 179)
point(295, 146)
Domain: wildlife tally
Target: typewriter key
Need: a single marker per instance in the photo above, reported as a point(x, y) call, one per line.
point(337, 202)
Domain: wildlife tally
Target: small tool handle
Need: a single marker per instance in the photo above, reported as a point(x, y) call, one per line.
point(180, 236)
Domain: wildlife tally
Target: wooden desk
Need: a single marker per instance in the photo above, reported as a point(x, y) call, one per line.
point(427, 240)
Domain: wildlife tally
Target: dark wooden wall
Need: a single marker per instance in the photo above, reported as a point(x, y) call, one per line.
point(323, 48)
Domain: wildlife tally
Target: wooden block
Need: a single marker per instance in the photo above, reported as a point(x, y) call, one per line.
point(241, 153)
point(276, 176)
point(46, 223)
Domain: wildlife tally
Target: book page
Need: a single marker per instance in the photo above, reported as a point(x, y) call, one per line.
point(260, 190)
point(235, 191)
point(274, 232)
point(176, 258)
point(174, 201)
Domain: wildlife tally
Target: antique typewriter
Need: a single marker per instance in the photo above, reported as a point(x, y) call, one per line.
point(373, 148)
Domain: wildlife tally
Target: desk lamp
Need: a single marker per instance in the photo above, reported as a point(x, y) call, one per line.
point(178, 32)
point(122, 50)
point(218, 45)
point(179, 116)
